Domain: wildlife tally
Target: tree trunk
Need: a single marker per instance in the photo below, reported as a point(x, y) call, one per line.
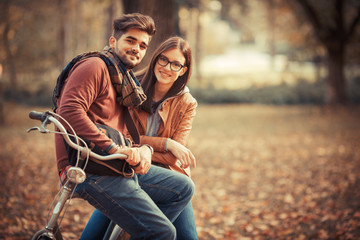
point(62, 34)
point(271, 22)
point(197, 49)
point(131, 6)
point(336, 84)
point(9, 56)
point(111, 16)
point(162, 11)
point(334, 35)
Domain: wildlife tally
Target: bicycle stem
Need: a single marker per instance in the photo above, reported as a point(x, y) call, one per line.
point(65, 193)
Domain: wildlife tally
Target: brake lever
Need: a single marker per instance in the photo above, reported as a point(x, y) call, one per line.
point(43, 125)
point(42, 128)
point(32, 129)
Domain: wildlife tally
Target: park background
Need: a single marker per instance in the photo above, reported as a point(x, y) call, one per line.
point(277, 131)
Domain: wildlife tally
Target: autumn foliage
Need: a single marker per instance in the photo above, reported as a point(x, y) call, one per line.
point(264, 172)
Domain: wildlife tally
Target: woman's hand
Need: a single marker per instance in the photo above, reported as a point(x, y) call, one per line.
point(182, 153)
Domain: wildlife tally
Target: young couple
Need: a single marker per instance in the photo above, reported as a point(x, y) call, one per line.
point(155, 202)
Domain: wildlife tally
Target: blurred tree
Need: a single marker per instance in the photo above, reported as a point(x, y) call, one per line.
point(111, 12)
point(236, 13)
point(8, 25)
point(38, 37)
point(27, 43)
point(334, 23)
point(164, 13)
point(62, 33)
point(197, 53)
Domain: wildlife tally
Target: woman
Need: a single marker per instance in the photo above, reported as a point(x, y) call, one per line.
point(165, 119)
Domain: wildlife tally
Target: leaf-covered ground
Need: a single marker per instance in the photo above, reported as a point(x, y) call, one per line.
point(264, 172)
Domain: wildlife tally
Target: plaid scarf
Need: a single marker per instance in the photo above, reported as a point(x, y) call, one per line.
point(128, 88)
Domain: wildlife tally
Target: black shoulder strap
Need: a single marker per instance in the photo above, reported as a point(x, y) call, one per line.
point(61, 79)
point(131, 127)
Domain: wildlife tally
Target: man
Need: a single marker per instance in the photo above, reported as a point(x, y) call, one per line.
point(146, 204)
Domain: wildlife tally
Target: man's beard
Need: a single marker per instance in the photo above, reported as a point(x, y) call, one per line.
point(128, 63)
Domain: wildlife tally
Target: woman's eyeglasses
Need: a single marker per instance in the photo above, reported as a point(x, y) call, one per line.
point(174, 66)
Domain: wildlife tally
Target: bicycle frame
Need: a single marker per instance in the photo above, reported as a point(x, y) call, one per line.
point(75, 175)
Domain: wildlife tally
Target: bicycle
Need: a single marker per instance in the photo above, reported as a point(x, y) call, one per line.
point(75, 176)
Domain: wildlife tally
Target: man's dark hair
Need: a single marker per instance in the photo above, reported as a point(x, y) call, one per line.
point(133, 21)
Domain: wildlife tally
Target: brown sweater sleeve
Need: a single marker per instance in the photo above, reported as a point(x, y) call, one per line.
point(87, 98)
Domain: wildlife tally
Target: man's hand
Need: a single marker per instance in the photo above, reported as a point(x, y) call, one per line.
point(182, 153)
point(138, 157)
point(145, 160)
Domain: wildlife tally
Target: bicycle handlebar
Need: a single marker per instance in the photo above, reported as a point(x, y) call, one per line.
point(37, 115)
point(48, 116)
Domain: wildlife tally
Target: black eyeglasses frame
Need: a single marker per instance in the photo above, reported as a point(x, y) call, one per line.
point(171, 63)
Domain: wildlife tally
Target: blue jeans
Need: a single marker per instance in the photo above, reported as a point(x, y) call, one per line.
point(144, 206)
point(96, 227)
point(185, 225)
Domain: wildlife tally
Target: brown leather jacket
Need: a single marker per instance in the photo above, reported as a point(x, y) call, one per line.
point(177, 115)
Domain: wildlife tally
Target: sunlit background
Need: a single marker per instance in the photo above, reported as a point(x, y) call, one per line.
point(268, 51)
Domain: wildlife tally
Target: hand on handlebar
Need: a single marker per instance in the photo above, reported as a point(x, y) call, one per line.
point(138, 157)
point(145, 162)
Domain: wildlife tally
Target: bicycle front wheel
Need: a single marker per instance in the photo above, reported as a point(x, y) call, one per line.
point(46, 234)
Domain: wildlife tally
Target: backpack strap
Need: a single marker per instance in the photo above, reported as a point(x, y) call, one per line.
point(61, 79)
point(131, 127)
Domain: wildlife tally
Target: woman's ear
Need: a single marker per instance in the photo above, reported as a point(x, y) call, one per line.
point(112, 41)
point(183, 71)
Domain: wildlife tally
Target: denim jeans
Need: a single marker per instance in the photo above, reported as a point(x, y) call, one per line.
point(96, 227)
point(144, 206)
point(185, 225)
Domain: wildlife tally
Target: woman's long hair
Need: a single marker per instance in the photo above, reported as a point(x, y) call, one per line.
point(147, 76)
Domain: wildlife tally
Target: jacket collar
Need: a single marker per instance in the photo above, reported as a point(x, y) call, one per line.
point(185, 90)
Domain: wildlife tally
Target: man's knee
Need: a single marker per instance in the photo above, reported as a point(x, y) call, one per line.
point(171, 233)
point(168, 232)
point(189, 187)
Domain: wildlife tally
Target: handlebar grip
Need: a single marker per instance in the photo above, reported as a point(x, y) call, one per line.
point(37, 115)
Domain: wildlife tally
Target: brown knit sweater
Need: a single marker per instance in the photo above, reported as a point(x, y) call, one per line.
point(88, 97)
